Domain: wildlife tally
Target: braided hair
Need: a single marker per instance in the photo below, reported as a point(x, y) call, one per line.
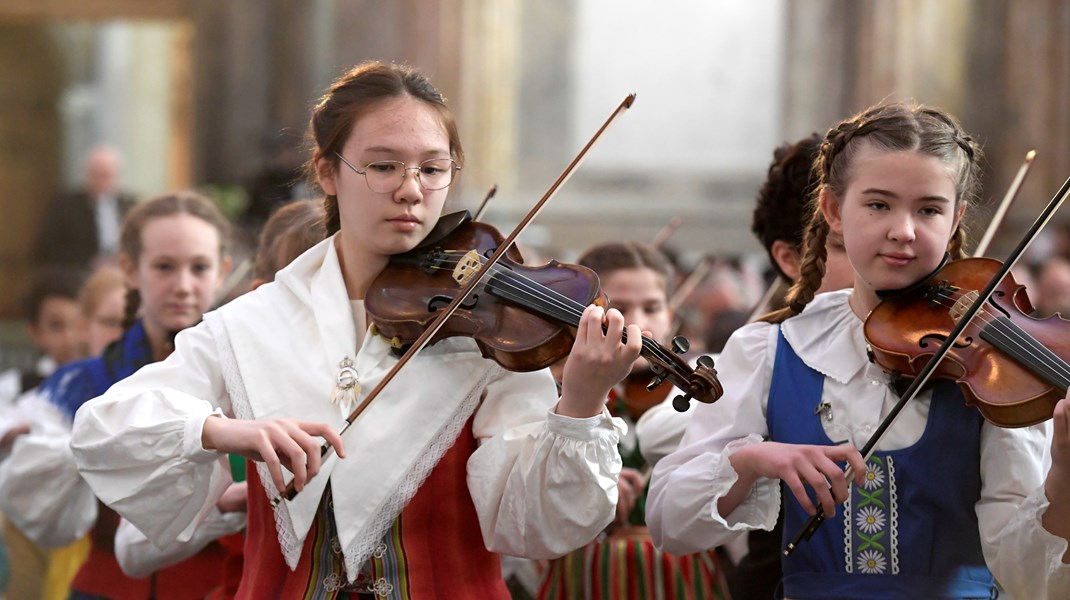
point(893, 127)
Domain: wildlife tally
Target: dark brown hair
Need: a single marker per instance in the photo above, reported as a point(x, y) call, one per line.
point(292, 229)
point(606, 258)
point(178, 203)
point(783, 200)
point(891, 127)
point(51, 282)
point(352, 95)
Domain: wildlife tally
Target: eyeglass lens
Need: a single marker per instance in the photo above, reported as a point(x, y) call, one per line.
point(387, 176)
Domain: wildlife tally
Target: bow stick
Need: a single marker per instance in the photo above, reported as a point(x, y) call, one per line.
point(1008, 199)
point(486, 201)
point(666, 232)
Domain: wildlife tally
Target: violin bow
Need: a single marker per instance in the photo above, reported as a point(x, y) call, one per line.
point(486, 201)
point(666, 232)
point(466, 290)
point(693, 279)
point(775, 289)
point(1008, 199)
point(815, 521)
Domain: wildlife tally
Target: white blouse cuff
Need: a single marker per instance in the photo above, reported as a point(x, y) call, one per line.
point(193, 448)
point(588, 428)
point(1054, 546)
point(761, 506)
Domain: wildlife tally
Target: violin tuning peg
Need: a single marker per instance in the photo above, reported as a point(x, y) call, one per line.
point(681, 403)
point(656, 381)
point(705, 361)
point(680, 344)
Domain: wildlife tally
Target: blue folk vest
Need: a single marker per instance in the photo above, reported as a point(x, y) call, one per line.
point(911, 530)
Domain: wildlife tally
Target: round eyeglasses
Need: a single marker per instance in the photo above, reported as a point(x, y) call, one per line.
point(386, 176)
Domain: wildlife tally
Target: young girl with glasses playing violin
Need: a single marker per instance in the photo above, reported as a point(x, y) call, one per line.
point(949, 502)
point(455, 460)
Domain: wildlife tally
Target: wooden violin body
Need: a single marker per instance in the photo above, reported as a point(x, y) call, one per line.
point(1010, 366)
point(406, 296)
point(522, 317)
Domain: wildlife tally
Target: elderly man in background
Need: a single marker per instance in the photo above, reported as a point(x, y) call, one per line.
point(81, 227)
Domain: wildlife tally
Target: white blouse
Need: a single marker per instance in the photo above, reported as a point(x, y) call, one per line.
point(682, 507)
point(542, 484)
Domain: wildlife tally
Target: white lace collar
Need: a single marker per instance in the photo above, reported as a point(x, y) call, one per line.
point(828, 337)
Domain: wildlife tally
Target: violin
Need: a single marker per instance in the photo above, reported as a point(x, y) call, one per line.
point(1008, 364)
point(522, 317)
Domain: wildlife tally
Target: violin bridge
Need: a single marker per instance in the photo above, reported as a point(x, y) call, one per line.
point(467, 266)
point(938, 293)
point(963, 304)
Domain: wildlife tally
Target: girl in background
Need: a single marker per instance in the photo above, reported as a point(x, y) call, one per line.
point(173, 258)
point(623, 563)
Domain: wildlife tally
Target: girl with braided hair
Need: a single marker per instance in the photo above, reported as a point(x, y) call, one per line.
point(949, 503)
point(173, 255)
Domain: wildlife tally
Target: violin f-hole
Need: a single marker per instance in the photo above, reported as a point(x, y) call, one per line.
point(437, 303)
point(939, 339)
point(993, 302)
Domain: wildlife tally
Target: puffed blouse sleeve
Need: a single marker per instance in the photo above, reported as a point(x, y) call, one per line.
point(139, 445)
point(543, 484)
point(686, 485)
point(40, 490)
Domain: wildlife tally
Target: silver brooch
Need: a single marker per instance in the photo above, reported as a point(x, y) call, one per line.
point(346, 383)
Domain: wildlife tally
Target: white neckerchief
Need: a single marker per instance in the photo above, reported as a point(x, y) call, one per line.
point(287, 342)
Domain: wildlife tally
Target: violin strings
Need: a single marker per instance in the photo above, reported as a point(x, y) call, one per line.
point(568, 306)
point(571, 307)
point(1027, 345)
point(1024, 341)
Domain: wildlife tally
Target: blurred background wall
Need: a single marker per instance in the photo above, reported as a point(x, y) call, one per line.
point(197, 93)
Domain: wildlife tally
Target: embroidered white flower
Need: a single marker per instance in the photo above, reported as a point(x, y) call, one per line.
point(874, 477)
point(872, 562)
point(870, 519)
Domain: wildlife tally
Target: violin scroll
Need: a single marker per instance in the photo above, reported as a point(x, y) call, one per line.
point(700, 383)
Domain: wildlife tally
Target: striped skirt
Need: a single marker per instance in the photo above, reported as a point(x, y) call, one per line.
point(626, 566)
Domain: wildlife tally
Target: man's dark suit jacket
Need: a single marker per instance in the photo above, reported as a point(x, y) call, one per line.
point(67, 236)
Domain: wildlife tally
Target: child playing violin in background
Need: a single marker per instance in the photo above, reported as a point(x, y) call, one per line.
point(457, 459)
point(623, 562)
point(948, 501)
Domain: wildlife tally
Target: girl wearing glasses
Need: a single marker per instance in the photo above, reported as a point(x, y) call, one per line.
point(456, 460)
